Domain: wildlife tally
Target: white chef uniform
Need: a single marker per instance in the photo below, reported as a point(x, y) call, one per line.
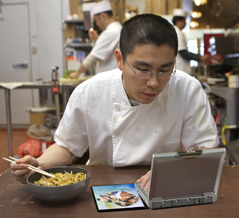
point(99, 116)
point(105, 46)
point(181, 63)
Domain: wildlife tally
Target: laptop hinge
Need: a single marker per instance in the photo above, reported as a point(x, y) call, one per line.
point(160, 202)
point(189, 154)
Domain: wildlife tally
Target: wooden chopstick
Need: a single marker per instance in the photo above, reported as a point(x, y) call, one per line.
point(30, 167)
point(35, 168)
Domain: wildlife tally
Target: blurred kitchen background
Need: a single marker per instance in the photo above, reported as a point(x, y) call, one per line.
point(41, 40)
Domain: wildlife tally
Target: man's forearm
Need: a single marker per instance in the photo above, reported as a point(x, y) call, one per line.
point(82, 69)
point(189, 55)
point(55, 155)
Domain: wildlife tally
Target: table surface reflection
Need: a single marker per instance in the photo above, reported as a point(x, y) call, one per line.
point(16, 201)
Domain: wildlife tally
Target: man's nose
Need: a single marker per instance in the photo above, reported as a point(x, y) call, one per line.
point(153, 81)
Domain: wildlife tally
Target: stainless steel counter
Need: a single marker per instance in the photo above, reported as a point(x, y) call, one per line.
point(231, 95)
point(57, 88)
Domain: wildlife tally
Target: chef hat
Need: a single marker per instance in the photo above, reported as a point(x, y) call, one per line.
point(87, 6)
point(100, 7)
point(179, 12)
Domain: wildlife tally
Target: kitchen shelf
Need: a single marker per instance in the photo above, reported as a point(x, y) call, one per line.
point(76, 43)
point(235, 55)
point(74, 21)
point(79, 45)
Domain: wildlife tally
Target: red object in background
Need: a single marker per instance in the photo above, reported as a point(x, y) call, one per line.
point(210, 43)
point(217, 119)
point(33, 147)
point(216, 59)
point(55, 89)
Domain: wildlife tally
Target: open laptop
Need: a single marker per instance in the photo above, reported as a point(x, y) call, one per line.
point(184, 178)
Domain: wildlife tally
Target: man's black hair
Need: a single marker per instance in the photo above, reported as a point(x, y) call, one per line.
point(109, 13)
point(177, 18)
point(147, 29)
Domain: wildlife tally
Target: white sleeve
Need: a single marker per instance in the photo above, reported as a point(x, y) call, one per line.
point(71, 131)
point(89, 61)
point(106, 44)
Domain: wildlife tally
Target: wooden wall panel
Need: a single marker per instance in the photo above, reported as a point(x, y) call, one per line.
point(162, 7)
point(118, 8)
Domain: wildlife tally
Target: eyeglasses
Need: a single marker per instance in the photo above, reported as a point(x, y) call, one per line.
point(145, 74)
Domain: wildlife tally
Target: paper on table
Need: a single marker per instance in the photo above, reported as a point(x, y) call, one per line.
point(13, 85)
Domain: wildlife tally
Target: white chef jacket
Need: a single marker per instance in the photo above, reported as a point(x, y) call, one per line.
point(105, 46)
point(181, 63)
point(99, 116)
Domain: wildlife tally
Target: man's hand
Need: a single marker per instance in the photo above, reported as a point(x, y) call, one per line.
point(144, 180)
point(93, 35)
point(205, 59)
point(74, 75)
point(20, 169)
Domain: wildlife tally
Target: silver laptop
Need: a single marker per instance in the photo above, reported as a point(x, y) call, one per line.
point(184, 178)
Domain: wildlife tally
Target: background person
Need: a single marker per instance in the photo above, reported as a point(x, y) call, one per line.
point(102, 54)
point(184, 56)
point(125, 115)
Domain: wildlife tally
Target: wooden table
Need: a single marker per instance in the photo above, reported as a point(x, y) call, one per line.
point(16, 201)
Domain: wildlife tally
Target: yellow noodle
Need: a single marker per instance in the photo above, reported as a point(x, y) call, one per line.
point(61, 179)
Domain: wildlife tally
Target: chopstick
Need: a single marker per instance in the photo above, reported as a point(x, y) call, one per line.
point(30, 167)
point(35, 169)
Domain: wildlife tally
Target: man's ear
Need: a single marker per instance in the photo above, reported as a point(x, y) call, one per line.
point(119, 58)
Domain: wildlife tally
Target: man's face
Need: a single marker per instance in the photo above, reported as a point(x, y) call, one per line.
point(146, 57)
point(99, 21)
point(182, 24)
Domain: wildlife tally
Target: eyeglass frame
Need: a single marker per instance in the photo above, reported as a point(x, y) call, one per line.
point(151, 73)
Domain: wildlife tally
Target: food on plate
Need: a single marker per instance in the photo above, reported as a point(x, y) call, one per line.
point(120, 198)
point(61, 179)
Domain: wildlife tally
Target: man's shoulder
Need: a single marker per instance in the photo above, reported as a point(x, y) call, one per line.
point(104, 78)
point(185, 78)
point(108, 75)
point(111, 33)
point(115, 26)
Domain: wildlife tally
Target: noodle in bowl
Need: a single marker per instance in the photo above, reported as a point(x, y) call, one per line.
point(62, 193)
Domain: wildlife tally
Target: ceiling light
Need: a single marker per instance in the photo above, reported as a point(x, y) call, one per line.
point(194, 24)
point(196, 14)
point(200, 2)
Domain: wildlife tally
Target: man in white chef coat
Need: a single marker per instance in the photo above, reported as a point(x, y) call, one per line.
point(125, 115)
point(184, 56)
point(102, 54)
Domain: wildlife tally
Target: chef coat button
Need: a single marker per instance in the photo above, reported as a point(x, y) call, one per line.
point(157, 130)
point(117, 108)
point(117, 133)
point(115, 119)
